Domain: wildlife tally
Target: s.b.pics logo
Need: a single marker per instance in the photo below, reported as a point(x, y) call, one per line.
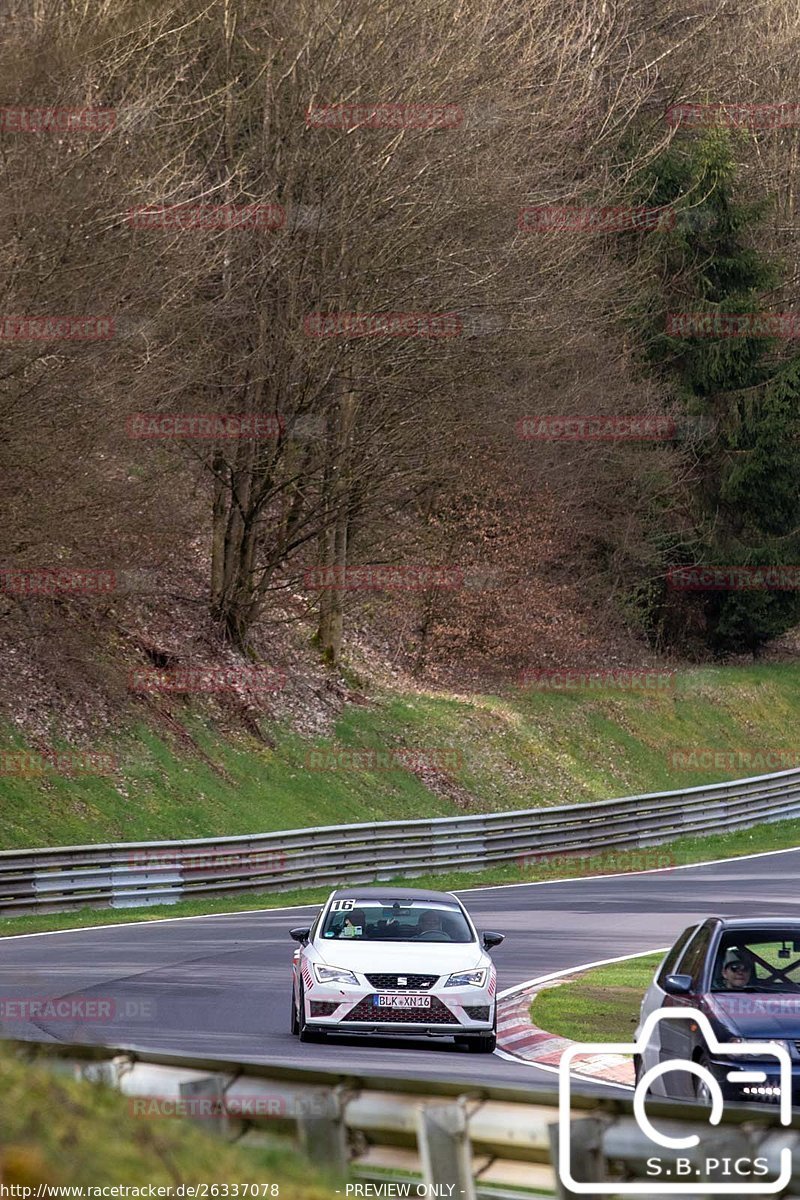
point(679, 1162)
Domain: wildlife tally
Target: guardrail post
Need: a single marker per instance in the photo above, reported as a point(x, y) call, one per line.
point(587, 1164)
point(206, 1099)
point(321, 1127)
point(445, 1150)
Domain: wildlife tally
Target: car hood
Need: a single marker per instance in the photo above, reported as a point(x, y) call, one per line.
point(405, 958)
point(758, 1014)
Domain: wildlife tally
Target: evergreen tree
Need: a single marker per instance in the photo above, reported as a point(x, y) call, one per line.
point(742, 390)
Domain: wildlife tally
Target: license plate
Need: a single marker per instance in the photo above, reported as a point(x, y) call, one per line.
point(390, 1000)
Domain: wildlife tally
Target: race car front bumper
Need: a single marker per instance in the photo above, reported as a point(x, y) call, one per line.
point(436, 1012)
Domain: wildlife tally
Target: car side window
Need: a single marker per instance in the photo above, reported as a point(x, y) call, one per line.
point(693, 961)
point(668, 966)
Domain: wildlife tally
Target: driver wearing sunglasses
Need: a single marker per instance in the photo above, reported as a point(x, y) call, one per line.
point(737, 969)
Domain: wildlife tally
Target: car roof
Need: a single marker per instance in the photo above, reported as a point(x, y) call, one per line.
point(756, 922)
point(393, 891)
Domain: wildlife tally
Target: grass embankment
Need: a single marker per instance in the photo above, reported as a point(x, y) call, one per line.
point(600, 1006)
point(527, 749)
point(58, 1130)
point(760, 839)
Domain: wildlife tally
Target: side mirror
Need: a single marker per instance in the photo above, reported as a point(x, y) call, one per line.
point(490, 939)
point(300, 935)
point(678, 985)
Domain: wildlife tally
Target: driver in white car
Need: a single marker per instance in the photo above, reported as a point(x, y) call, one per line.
point(354, 924)
point(429, 920)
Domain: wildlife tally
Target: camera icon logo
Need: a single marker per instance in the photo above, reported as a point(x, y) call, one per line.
point(751, 1072)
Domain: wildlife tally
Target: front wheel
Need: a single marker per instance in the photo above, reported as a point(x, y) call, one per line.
point(486, 1043)
point(702, 1092)
point(295, 1022)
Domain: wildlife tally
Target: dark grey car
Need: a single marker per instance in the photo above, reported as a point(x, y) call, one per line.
point(744, 976)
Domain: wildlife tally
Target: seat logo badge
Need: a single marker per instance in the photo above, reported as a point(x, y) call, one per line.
point(402, 981)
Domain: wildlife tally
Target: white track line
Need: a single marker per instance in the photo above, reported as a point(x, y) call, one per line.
point(602, 962)
point(243, 912)
point(509, 1056)
point(711, 862)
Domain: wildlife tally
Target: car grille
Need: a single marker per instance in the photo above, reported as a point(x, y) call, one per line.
point(437, 1014)
point(414, 983)
point(477, 1012)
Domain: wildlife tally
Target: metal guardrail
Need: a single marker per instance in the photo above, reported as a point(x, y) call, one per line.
point(131, 874)
point(484, 1142)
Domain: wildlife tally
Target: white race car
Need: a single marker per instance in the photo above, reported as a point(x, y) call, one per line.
point(395, 961)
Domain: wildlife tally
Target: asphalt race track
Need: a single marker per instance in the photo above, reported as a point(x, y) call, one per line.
point(219, 986)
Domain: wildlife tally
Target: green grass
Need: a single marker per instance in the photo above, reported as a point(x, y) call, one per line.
point(526, 749)
point(60, 1130)
point(782, 835)
point(602, 1005)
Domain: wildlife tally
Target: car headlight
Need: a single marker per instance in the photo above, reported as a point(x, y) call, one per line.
point(468, 978)
point(333, 974)
point(770, 1041)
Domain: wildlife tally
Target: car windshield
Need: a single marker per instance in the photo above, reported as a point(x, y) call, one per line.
point(396, 920)
point(758, 960)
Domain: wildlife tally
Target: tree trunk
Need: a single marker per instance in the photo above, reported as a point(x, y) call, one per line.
point(331, 609)
point(334, 538)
